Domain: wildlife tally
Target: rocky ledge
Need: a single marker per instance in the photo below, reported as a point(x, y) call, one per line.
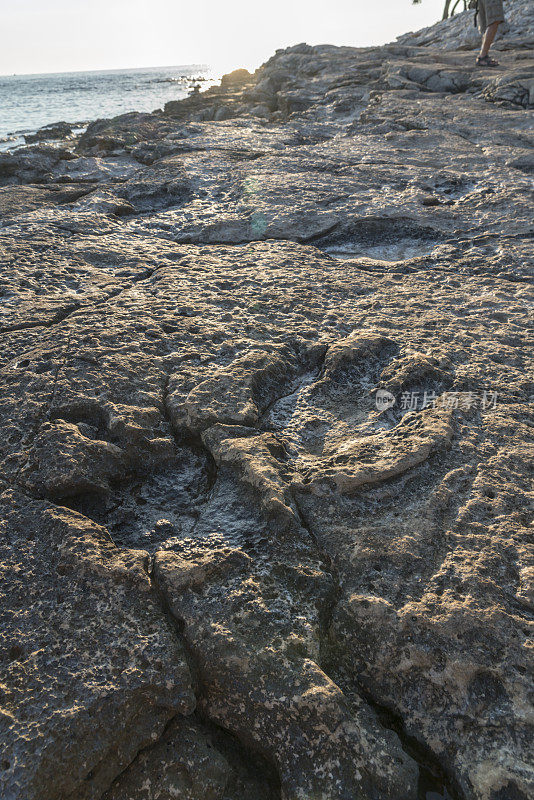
point(265, 437)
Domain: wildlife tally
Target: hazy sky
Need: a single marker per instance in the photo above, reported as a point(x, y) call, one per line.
point(63, 35)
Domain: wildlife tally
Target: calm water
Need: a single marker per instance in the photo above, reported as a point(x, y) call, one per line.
point(28, 102)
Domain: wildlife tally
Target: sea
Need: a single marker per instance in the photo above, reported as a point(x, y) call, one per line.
point(27, 102)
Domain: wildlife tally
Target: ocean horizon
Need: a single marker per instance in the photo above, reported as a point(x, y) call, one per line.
point(30, 101)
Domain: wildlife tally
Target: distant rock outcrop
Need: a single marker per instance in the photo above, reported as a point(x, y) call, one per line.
point(59, 130)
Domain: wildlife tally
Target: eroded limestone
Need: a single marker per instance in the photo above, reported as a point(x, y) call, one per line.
point(200, 309)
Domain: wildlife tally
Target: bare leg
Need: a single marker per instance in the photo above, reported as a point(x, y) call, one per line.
point(489, 36)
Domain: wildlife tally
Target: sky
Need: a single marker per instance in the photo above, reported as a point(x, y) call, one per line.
point(71, 35)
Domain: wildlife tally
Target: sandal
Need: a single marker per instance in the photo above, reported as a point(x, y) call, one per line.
point(486, 61)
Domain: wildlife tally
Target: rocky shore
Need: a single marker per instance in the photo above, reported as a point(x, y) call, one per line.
point(266, 438)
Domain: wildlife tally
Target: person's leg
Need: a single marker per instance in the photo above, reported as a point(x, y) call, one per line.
point(491, 14)
point(487, 39)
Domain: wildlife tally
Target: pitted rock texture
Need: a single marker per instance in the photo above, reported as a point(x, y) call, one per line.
point(194, 761)
point(92, 670)
point(265, 436)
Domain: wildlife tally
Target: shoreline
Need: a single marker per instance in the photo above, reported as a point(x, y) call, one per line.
point(53, 99)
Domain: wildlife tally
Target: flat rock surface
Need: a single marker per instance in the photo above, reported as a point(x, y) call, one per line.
point(266, 436)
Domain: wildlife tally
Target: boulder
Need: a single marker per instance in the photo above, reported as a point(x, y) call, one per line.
point(236, 79)
point(31, 164)
point(59, 130)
